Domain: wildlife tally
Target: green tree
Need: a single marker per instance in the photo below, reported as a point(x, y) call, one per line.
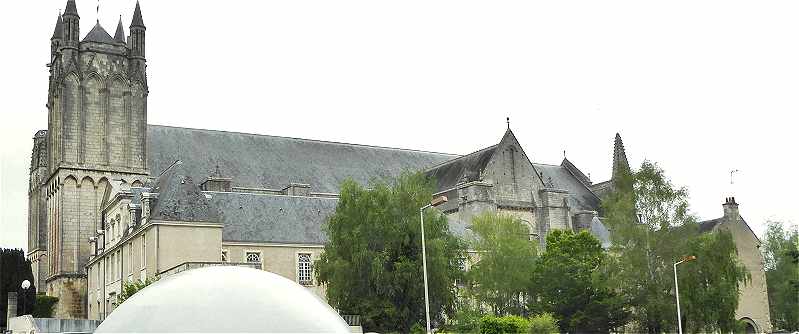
point(652, 228)
point(566, 282)
point(501, 277)
point(372, 264)
point(15, 268)
point(131, 288)
point(710, 285)
point(781, 254)
point(543, 323)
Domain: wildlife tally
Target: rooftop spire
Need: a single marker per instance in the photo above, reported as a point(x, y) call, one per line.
point(71, 9)
point(137, 20)
point(58, 33)
point(619, 157)
point(119, 36)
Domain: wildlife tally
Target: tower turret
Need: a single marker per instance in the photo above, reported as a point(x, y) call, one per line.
point(71, 24)
point(620, 164)
point(137, 33)
point(119, 35)
point(58, 35)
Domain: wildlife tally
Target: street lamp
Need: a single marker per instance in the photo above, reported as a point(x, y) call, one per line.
point(677, 289)
point(435, 202)
point(26, 284)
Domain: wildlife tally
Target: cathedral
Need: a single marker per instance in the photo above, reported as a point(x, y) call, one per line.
point(113, 199)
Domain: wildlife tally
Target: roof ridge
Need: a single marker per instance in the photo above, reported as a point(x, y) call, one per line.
point(308, 140)
point(545, 164)
point(271, 195)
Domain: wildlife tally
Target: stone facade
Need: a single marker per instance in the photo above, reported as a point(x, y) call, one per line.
point(96, 133)
point(753, 304)
point(113, 200)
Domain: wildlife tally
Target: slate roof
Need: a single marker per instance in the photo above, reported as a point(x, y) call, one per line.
point(262, 161)
point(467, 167)
point(580, 197)
point(71, 8)
point(58, 33)
point(575, 171)
point(273, 218)
point(137, 20)
point(119, 35)
point(180, 199)
point(99, 35)
point(598, 230)
point(709, 225)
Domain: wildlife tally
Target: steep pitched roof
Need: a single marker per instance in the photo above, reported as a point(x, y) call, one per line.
point(58, 32)
point(273, 162)
point(575, 171)
point(709, 225)
point(273, 218)
point(119, 35)
point(137, 20)
point(71, 8)
point(99, 35)
point(580, 196)
point(180, 199)
point(620, 163)
point(465, 168)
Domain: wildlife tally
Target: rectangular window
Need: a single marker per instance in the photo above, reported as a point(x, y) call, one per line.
point(304, 269)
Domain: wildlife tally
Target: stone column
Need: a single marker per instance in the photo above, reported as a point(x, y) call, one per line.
point(12, 306)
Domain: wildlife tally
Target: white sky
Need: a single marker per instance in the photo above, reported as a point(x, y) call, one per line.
point(701, 87)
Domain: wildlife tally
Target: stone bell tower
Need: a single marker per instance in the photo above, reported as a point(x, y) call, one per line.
point(96, 132)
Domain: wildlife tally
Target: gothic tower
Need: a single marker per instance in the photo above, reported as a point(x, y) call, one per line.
point(97, 116)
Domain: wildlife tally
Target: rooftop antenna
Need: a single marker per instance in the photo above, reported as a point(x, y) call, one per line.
point(507, 120)
point(98, 11)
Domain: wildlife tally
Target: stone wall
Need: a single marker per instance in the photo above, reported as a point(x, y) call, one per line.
point(71, 292)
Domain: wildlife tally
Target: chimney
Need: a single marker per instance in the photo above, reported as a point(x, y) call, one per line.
point(731, 209)
point(147, 201)
point(297, 189)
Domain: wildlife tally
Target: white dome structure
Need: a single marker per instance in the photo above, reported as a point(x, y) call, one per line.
point(224, 299)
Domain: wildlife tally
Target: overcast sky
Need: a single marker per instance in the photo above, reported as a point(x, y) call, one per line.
point(700, 87)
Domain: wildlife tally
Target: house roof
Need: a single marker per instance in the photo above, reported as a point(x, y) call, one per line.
point(580, 197)
point(273, 218)
point(272, 162)
point(99, 35)
point(710, 225)
point(137, 20)
point(465, 168)
point(180, 199)
point(119, 35)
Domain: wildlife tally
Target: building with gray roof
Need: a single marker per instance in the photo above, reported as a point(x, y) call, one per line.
point(114, 199)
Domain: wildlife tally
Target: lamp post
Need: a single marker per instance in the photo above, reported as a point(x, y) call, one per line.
point(677, 289)
point(435, 202)
point(26, 284)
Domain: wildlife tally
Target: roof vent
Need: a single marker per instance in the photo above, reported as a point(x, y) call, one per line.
point(217, 182)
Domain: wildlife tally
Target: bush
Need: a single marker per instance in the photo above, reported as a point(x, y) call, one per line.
point(543, 323)
point(44, 306)
point(508, 324)
point(465, 320)
point(418, 328)
point(130, 288)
